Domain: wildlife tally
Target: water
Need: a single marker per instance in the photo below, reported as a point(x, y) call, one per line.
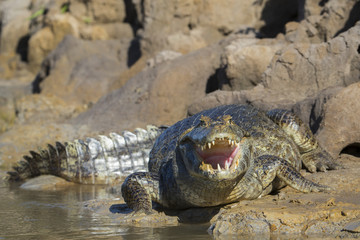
point(26, 214)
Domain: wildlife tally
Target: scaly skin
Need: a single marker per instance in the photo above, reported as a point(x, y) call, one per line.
point(226, 154)
point(94, 161)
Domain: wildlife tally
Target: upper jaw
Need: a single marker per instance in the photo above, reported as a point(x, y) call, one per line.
point(216, 157)
point(219, 154)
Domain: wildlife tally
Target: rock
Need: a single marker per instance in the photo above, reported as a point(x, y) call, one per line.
point(243, 224)
point(311, 110)
point(259, 97)
point(121, 215)
point(299, 215)
point(10, 91)
point(161, 57)
point(324, 20)
point(199, 24)
point(45, 183)
point(14, 25)
point(157, 95)
point(36, 108)
point(245, 60)
point(18, 140)
point(296, 72)
point(100, 11)
point(309, 68)
point(106, 31)
point(46, 39)
point(215, 99)
point(339, 128)
point(353, 226)
point(53, 20)
point(80, 72)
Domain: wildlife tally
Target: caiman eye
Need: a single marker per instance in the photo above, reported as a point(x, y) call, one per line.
point(204, 121)
point(227, 119)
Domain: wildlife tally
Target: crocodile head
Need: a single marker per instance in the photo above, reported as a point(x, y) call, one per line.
point(212, 149)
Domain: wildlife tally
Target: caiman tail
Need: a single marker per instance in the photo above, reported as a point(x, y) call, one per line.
point(94, 161)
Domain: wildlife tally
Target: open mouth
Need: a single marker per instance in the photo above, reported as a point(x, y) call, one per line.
point(218, 154)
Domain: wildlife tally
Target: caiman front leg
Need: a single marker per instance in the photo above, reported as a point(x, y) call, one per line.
point(312, 155)
point(259, 178)
point(139, 190)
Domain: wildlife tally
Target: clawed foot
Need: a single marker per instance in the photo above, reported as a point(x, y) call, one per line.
point(319, 160)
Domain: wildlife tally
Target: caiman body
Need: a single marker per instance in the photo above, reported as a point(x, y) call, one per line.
point(223, 155)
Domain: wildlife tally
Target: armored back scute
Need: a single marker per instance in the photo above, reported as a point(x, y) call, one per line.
point(93, 161)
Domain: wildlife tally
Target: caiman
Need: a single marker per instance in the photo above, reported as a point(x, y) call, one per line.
point(215, 157)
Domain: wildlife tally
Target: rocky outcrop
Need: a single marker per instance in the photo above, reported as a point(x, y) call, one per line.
point(244, 62)
point(80, 72)
point(310, 68)
point(195, 24)
point(339, 128)
point(34, 28)
point(323, 21)
point(14, 25)
point(155, 90)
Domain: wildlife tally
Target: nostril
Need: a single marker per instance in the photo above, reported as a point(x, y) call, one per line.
point(358, 50)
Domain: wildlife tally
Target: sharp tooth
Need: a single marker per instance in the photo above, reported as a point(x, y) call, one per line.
point(209, 144)
point(213, 142)
point(227, 165)
point(229, 142)
point(219, 168)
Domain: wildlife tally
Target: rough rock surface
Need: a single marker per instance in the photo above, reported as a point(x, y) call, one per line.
point(196, 24)
point(14, 24)
point(155, 90)
point(307, 69)
point(319, 16)
point(340, 127)
point(80, 71)
point(250, 56)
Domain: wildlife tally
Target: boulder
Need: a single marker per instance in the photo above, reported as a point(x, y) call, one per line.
point(19, 140)
point(45, 40)
point(14, 25)
point(245, 60)
point(161, 57)
point(99, 11)
point(158, 95)
point(10, 92)
point(340, 128)
point(43, 108)
point(200, 23)
point(80, 71)
point(310, 68)
point(92, 20)
point(324, 20)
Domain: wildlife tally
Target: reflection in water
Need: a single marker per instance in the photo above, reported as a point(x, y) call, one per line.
point(28, 214)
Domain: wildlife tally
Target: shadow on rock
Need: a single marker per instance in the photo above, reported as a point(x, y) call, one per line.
point(120, 208)
point(191, 215)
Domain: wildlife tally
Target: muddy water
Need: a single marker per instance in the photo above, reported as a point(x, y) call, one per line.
point(61, 214)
